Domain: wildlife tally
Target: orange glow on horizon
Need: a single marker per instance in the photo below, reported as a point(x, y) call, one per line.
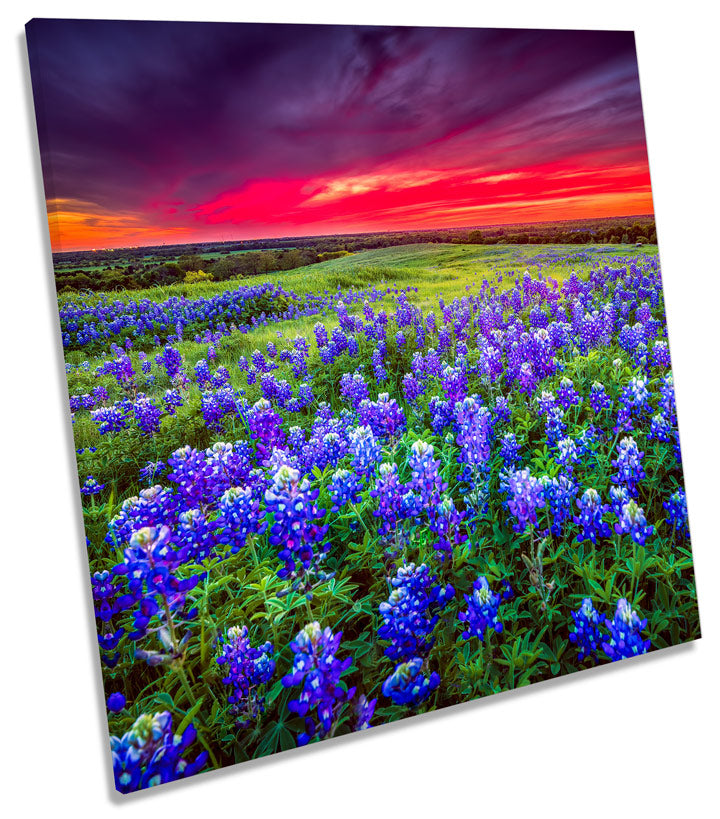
point(391, 198)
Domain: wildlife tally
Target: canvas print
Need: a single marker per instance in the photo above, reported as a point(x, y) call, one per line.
point(368, 372)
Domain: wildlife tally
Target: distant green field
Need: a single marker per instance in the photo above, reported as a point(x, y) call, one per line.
point(447, 269)
point(436, 270)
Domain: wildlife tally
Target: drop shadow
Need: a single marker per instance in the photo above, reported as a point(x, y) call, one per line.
point(451, 712)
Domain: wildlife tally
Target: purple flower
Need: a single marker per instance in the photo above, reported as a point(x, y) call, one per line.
point(475, 432)
point(344, 489)
point(482, 611)
point(629, 468)
point(676, 507)
point(150, 753)
point(410, 614)
point(590, 518)
point(632, 521)
point(587, 636)
point(567, 395)
point(116, 702)
point(365, 450)
point(91, 486)
point(625, 638)
point(239, 516)
point(599, 399)
point(384, 416)
point(525, 497)
point(317, 668)
point(297, 529)
point(247, 668)
point(425, 469)
point(407, 685)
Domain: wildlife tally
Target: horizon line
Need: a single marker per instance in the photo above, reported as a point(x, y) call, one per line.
point(359, 233)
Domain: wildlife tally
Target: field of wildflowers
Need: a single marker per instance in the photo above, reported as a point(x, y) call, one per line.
point(371, 488)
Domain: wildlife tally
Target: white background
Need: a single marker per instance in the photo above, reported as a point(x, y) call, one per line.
point(639, 739)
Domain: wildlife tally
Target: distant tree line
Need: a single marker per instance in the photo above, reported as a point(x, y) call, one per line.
point(135, 268)
point(188, 268)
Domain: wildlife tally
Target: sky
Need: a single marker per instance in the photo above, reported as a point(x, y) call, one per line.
point(159, 132)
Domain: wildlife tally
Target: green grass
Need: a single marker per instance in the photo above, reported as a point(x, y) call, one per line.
point(436, 270)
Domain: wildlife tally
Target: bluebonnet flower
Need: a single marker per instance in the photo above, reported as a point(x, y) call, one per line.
point(545, 402)
point(586, 635)
point(590, 518)
point(567, 395)
point(107, 600)
point(365, 450)
point(172, 400)
point(441, 415)
point(171, 360)
point(149, 566)
point(412, 388)
point(384, 416)
point(619, 496)
point(599, 399)
point(265, 427)
point(527, 377)
point(567, 454)
point(677, 517)
point(625, 629)
point(91, 486)
point(317, 668)
point(344, 489)
point(258, 361)
point(111, 419)
point(525, 497)
point(116, 702)
point(510, 450)
point(482, 611)
point(632, 521)
point(559, 494)
point(636, 395)
point(364, 709)
point(407, 685)
point(246, 668)
point(667, 398)
point(507, 593)
point(660, 354)
point(659, 428)
point(629, 469)
point(220, 378)
point(502, 410)
point(378, 364)
point(147, 415)
point(150, 754)
point(425, 480)
point(217, 405)
point(412, 611)
point(321, 335)
point(445, 521)
point(555, 426)
point(353, 388)
point(122, 370)
point(475, 432)
point(202, 373)
point(396, 500)
point(297, 529)
point(99, 395)
point(239, 516)
point(454, 383)
point(634, 403)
